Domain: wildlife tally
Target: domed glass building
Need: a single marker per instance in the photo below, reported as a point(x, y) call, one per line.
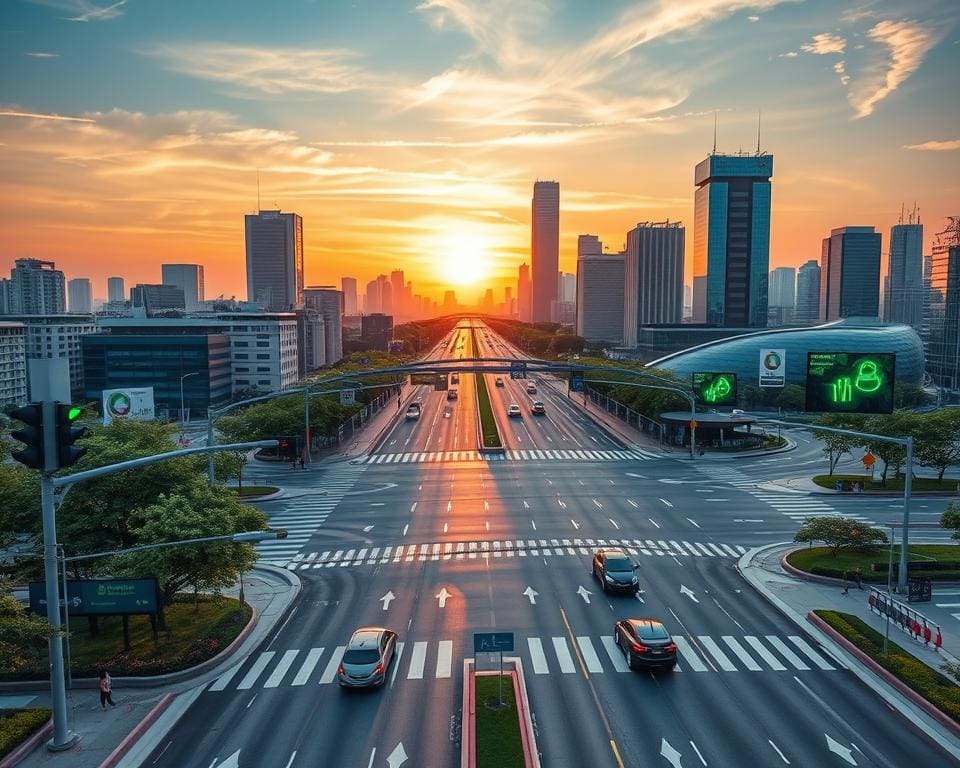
point(741, 354)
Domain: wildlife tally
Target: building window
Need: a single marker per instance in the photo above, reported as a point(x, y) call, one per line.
point(263, 357)
point(241, 344)
point(265, 382)
point(241, 357)
point(263, 369)
point(263, 343)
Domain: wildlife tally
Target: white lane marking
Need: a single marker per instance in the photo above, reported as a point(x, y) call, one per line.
point(689, 655)
point(764, 654)
point(666, 502)
point(413, 508)
point(444, 658)
point(397, 654)
point(281, 669)
point(698, 752)
point(537, 656)
point(330, 671)
point(614, 652)
point(224, 680)
point(656, 524)
point(741, 653)
point(306, 669)
point(417, 659)
point(405, 529)
point(789, 655)
point(256, 670)
point(614, 523)
point(563, 655)
point(807, 651)
point(533, 524)
point(717, 652)
point(590, 658)
point(693, 522)
point(777, 750)
point(633, 504)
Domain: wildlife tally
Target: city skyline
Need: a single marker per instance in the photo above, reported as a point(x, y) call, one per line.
point(429, 168)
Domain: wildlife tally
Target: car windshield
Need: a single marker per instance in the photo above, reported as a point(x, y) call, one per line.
point(652, 632)
point(361, 656)
point(619, 564)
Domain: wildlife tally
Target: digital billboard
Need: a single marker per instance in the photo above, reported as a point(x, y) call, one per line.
point(134, 403)
point(850, 382)
point(715, 388)
point(91, 597)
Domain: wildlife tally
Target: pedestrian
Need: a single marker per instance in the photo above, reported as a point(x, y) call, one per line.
point(846, 587)
point(106, 689)
point(303, 464)
point(293, 463)
point(859, 577)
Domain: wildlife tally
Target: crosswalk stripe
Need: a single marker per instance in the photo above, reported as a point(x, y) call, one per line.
point(306, 669)
point(741, 653)
point(417, 659)
point(807, 651)
point(537, 656)
point(716, 549)
point(614, 653)
point(589, 655)
point(789, 655)
point(444, 658)
point(730, 549)
point(772, 661)
point(330, 671)
point(689, 655)
point(224, 680)
point(717, 652)
point(256, 670)
point(563, 655)
point(281, 669)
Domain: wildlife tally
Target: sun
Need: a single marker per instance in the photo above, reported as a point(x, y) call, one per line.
point(465, 259)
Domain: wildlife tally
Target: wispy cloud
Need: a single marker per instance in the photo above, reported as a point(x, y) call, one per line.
point(43, 55)
point(907, 43)
point(753, 18)
point(270, 70)
point(789, 55)
point(841, 69)
point(85, 10)
point(42, 116)
point(825, 43)
point(936, 146)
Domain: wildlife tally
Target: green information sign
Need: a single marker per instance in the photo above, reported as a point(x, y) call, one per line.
point(92, 597)
point(850, 382)
point(712, 388)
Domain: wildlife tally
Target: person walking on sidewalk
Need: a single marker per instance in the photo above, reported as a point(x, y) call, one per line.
point(858, 576)
point(106, 689)
point(846, 587)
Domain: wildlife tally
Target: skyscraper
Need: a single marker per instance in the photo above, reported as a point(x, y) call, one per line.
point(808, 293)
point(36, 287)
point(600, 284)
point(386, 295)
point(850, 274)
point(903, 302)
point(781, 296)
point(80, 296)
point(328, 301)
point(349, 287)
point(544, 248)
point(567, 287)
point(942, 347)
point(524, 293)
point(275, 259)
point(187, 277)
point(372, 300)
point(653, 277)
point(397, 291)
point(115, 290)
point(731, 240)
point(589, 245)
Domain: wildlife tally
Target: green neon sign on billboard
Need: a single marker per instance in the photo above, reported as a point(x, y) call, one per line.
point(850, 382)
point(715, 388)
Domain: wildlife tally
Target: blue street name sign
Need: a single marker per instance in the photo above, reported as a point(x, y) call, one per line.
point(493, 642)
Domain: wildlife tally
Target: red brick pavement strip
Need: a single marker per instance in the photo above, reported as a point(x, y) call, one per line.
point(141, 728)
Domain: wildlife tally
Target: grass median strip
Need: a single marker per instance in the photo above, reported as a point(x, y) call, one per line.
point(938, 689)
point(939, 562)
point(499, 744)
point(488, 424)
point(893, 484)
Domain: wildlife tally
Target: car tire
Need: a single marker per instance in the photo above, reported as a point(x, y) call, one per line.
point(630, 663)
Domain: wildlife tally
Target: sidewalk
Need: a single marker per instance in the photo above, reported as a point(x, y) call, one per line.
point(267, 589)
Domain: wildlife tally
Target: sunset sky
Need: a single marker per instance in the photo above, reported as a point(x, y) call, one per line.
point(408, 135)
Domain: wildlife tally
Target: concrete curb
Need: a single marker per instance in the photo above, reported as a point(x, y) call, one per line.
point(15, 757)
point(134, 736)
point(931, 709)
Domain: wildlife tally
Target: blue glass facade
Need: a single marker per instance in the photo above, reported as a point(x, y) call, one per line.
point(741, 354)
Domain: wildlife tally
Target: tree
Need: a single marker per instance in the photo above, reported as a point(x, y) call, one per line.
point(909, 396)
point(227, 466)
point(836, 444)
point(840, 533)
point(896, 424)
point(19, 502)
point(23, 636)
point(951, 518)
point(937, 440)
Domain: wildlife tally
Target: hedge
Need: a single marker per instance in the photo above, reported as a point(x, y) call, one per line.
point(939, 690)
point(488, 424)
point(17, 725)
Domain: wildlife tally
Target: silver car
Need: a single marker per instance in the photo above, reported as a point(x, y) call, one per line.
point(367, 658)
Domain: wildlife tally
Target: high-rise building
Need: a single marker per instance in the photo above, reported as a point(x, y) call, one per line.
point(80, 296)
point(600, 282)
point(371, 303)
point(188, 278)
point(449, 301)
point(903, 297)
point(850, 274)
point(781, 299)
point(942, 345)
point(275, 259)
point(807, 311)
point(589, 245)
point(51, 337)
point(13, 364)
point(653, 277)
point(731, 240)
point(567, 287)
point(524, 293)
point(397, 292)
point(544, 248)
point(386, 294)
point(328, 301)
point(349, 287)
point(115, 290)
point(413, 312)
point(35, 287)
point(156, 298)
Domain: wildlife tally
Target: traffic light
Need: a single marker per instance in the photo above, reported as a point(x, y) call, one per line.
point(32, 454)
point(67, 435)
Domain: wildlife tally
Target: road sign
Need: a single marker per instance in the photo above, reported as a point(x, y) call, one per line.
point(576, 381)
point(348, 396)
point(423, 378)
point(518, 370)
point(850, 382)
point(493, 642)
point(869, 459)
point(93, 597)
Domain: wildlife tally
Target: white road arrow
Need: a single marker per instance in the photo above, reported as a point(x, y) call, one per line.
point(231, 762)
point(398, 757)
point(367, 528)
point(837, 748)
point(585, 594)
point(532, 594)
point(670, 754)
point(442, 596)
point(689, 593)
point(387, 598)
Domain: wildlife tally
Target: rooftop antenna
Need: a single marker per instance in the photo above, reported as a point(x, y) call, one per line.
point(258, 190)
point(758, 131)
point(901, 214)
point(714, 131)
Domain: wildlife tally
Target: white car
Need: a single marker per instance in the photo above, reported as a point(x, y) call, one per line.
point(514, 411)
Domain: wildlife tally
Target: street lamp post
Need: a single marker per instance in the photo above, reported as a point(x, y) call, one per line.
point(186, 375)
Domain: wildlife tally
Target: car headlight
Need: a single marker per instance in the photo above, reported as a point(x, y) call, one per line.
point(608, 577)
point(633, 580)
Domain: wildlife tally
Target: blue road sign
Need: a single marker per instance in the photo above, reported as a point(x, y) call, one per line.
point(518, 370)
point(493, 642)
point(576, 381)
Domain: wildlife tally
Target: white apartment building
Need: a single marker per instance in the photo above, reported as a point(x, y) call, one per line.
point(263, 349)
point(57, 336)
point(13, 364)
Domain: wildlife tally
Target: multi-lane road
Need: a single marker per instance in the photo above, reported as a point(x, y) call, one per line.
point(440, 548)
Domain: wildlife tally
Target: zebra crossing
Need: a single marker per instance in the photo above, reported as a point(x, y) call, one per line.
point(303, 515)
point(439, 457)
point(423, 659)
point(471, 550)
point(796, 505)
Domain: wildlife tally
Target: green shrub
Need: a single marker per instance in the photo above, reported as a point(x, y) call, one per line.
point(17, 725)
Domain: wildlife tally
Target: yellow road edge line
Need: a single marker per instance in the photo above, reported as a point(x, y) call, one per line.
point(576, 648)
point(616, 753)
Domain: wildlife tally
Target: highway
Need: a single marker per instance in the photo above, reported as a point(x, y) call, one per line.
point(439, 550)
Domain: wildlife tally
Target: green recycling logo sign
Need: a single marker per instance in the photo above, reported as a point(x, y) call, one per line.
point(118, 405)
